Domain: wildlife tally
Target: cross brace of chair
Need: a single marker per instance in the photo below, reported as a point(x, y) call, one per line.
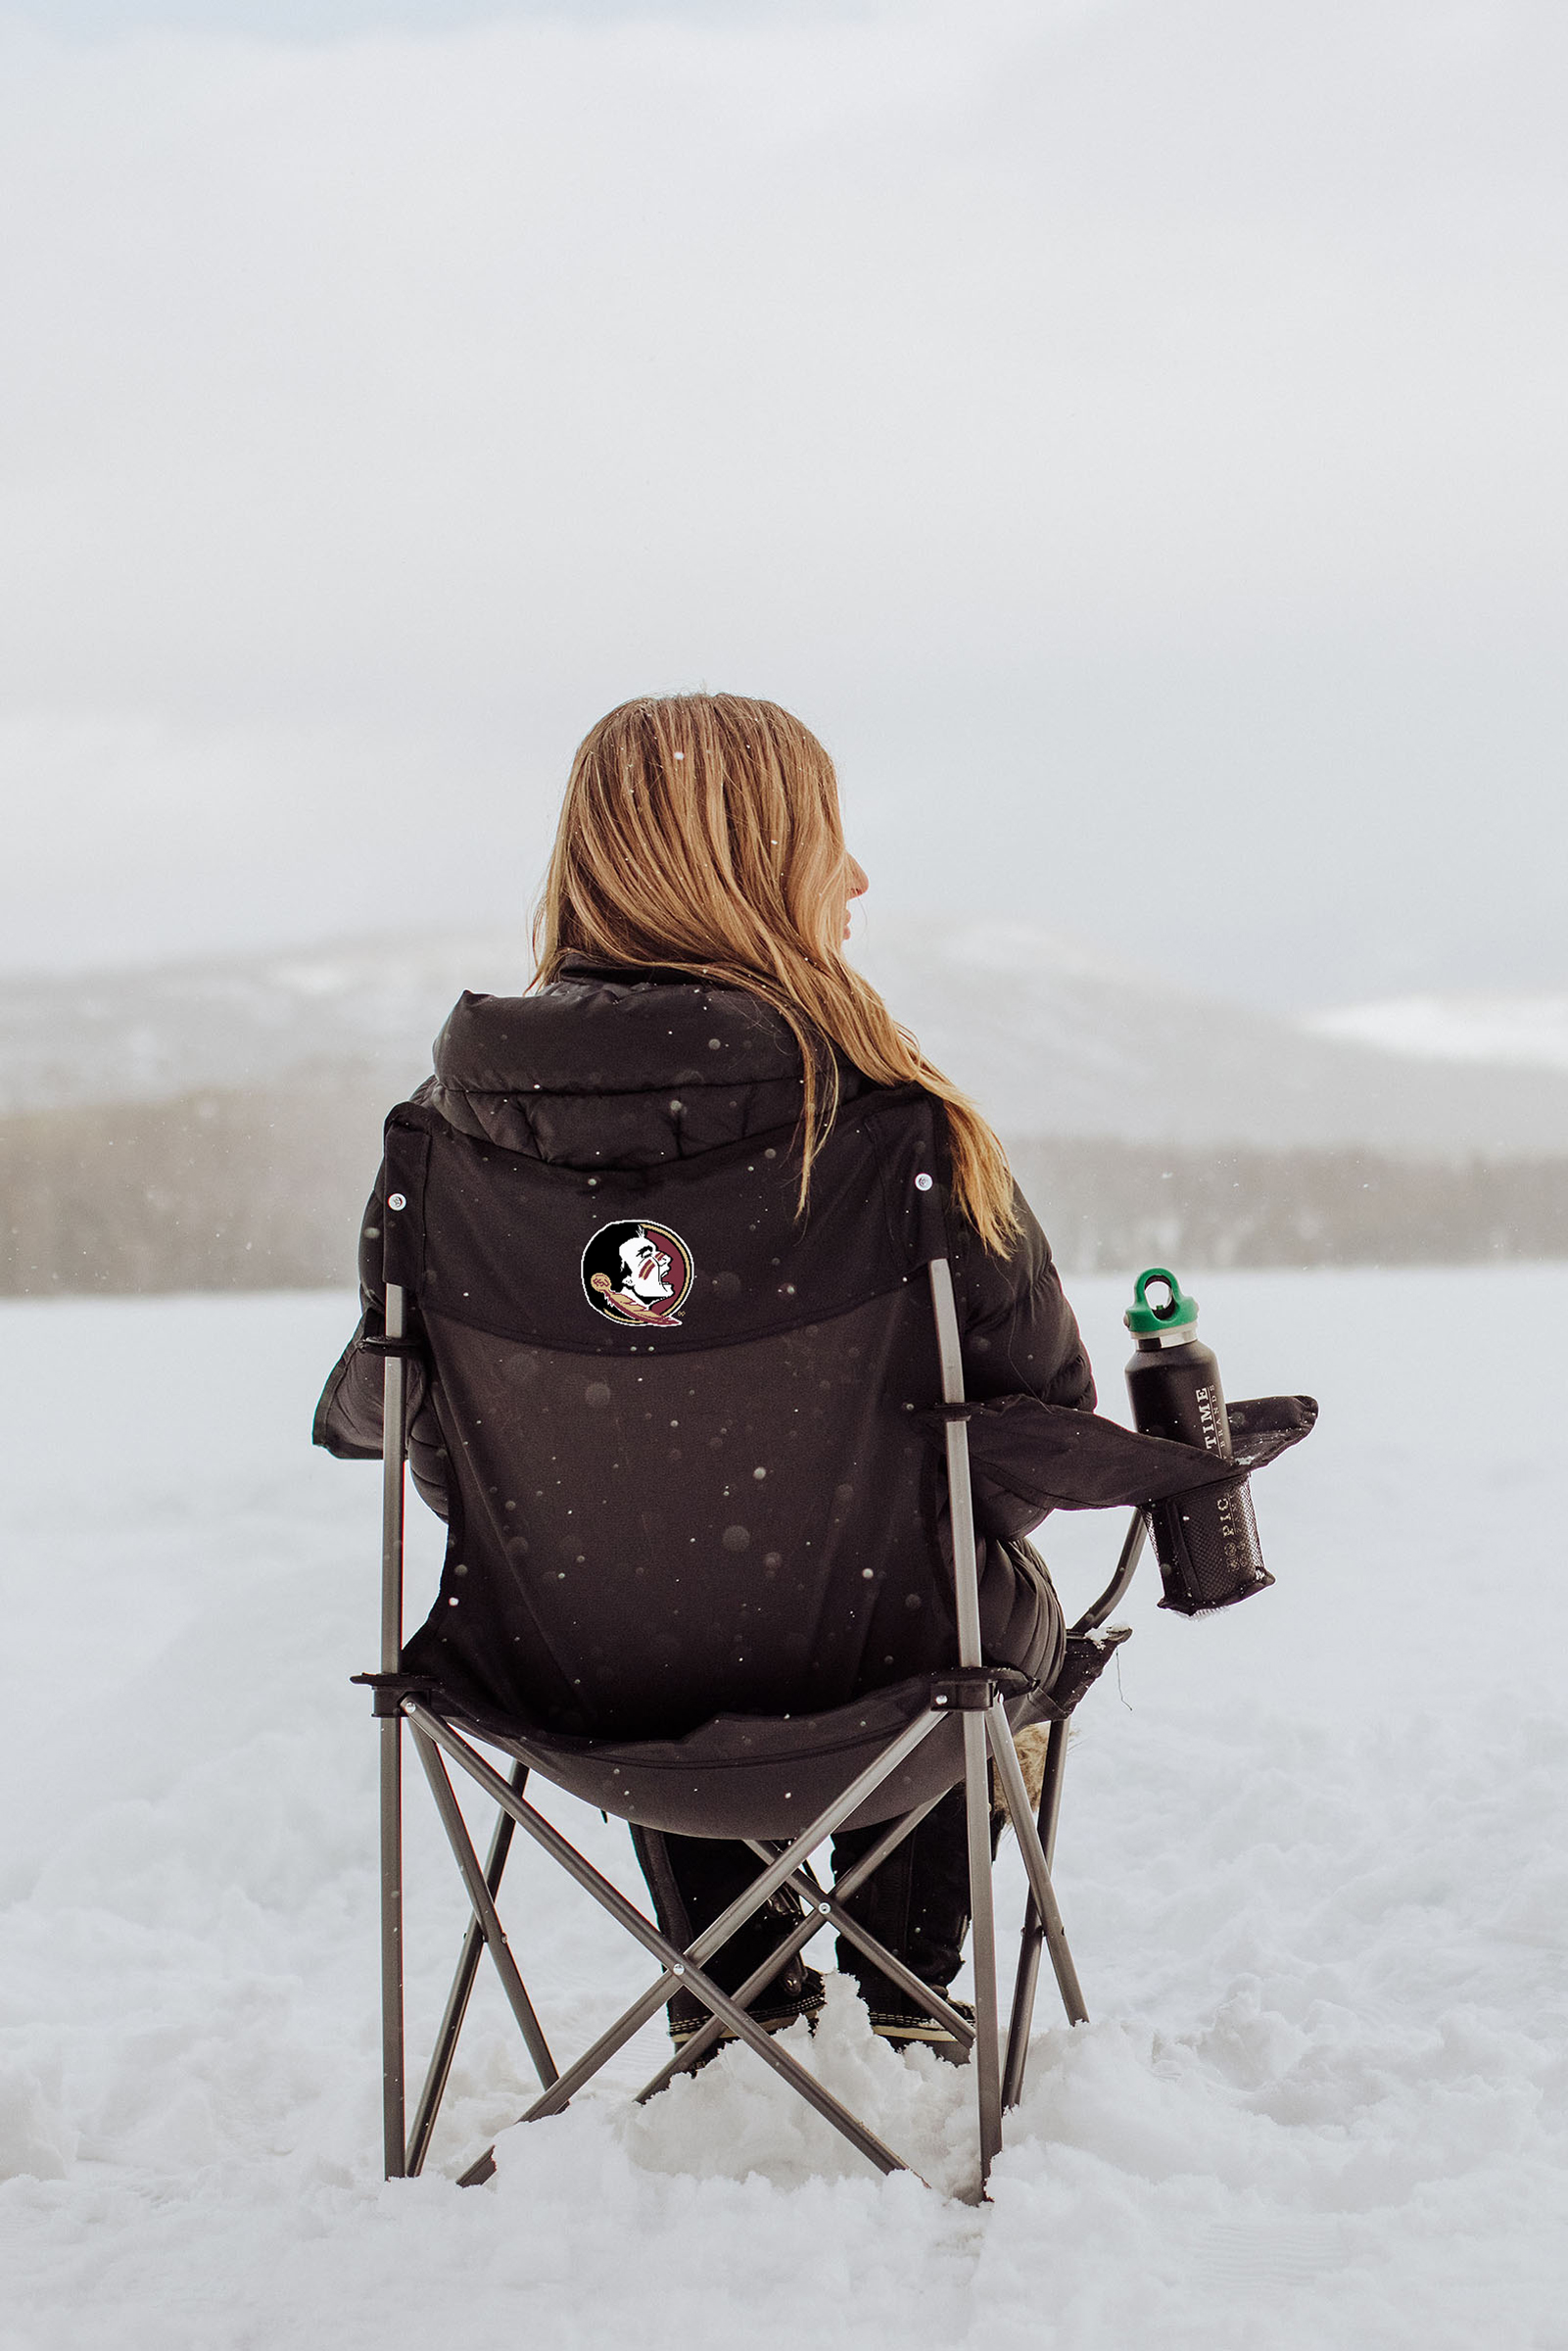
point(987, 1735)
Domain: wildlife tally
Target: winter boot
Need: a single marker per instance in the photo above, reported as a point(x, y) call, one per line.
point(910, 2028)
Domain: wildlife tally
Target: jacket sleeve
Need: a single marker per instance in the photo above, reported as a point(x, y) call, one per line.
point(348, 1417)
point(1018, 1332)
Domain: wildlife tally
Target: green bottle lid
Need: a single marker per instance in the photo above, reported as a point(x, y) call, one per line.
point(1178, 1312)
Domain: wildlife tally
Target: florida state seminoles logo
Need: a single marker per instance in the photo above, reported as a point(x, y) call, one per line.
point(637, 1274)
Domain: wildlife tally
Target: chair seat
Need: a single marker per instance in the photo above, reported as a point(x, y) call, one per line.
point(748, 1775)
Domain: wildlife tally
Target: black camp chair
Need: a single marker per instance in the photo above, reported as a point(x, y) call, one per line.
point(677, 1416)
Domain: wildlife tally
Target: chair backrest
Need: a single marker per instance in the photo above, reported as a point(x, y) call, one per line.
point(686, 1474)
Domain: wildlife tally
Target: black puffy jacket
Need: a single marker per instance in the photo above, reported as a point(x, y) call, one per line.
point(627, 1069)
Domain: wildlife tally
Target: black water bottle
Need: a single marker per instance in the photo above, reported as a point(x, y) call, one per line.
point(1207, 1540)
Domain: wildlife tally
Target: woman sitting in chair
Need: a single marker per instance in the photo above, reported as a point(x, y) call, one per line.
point(691, 994)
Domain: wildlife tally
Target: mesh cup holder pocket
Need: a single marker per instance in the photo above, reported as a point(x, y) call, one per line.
point(1208, 1548)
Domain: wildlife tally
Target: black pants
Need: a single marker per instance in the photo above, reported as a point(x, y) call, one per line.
point(917, 1904)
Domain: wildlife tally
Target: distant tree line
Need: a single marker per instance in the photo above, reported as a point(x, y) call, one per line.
point(264, 1189)
point(216, 1190)
point(1110, 1205)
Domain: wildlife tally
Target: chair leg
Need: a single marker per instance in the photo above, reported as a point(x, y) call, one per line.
point(458, 1999)
point(1011, 1780)
point(1056, 1756)
point(439, 2071)
point(985, 2058)
point(394, 1397)
point(1033, 1934)
point(484, 1909)
point(391, 2033)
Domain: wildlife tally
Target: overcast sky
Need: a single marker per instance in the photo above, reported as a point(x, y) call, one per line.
point(1132, 432)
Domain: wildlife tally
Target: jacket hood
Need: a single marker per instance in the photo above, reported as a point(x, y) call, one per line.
point(618, 1069)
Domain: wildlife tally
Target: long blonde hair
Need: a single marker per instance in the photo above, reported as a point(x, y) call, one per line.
point(701, 832)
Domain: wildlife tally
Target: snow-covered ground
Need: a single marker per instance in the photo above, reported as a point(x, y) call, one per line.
point(1311, 1860)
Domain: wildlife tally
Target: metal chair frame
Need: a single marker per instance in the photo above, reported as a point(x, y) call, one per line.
point(976, 1691)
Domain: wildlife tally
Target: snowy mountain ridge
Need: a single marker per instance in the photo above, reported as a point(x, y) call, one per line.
point(1519, 1031)
point(1051, 1039)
